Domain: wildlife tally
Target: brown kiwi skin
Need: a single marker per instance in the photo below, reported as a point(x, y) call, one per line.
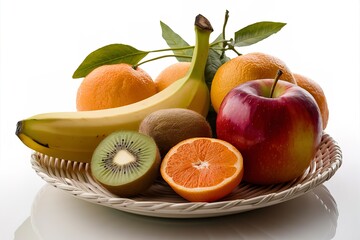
point(170, 126)
point(138, 186)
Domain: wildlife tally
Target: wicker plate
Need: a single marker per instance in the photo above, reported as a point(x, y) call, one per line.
point(161, 201)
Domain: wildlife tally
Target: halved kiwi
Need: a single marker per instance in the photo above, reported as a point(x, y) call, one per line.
point(126, 163)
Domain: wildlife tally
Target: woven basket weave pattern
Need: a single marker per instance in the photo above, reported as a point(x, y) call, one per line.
point(160, 200)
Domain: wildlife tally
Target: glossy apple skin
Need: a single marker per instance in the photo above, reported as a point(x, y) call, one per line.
point(278, 137)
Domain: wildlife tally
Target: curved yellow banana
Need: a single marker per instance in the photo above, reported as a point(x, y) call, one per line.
point(75, 135)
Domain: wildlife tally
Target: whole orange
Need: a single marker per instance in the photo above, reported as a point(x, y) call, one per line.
point(170, 74)
point(244, 68)
point(317, 92)
point(114, 85)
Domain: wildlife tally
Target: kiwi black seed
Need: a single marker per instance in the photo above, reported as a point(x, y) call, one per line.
point(126, 163)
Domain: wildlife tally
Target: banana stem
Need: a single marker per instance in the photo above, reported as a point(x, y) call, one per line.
point(225, 43)
point(201, 24)
point(203, 29)
point(182, 56)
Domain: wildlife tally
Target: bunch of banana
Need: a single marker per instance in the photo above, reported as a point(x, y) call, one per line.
point(75, 135)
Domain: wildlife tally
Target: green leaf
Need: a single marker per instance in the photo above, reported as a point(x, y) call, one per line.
point(174, 40)
point(256, 32)
point(217, 47)
point(110, 54)
point(214, 61)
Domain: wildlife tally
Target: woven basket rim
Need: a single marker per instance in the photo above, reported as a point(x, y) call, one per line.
point(161, 201)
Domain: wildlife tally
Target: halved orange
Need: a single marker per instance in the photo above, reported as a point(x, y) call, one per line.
point(203, 169)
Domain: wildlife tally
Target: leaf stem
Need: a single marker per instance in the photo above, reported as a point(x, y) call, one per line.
point(156, 58)
point(169, 49)
point(224, 41)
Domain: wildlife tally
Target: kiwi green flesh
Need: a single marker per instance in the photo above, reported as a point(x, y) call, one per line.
point(126, 162)
point(137, 186)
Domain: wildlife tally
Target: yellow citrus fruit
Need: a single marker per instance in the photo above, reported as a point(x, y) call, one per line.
point(317, 92)
point(203, 169)
point(244, 68)
point(114, 85)
point(170, 74)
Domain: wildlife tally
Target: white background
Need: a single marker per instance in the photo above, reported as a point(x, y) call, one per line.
point(43, 42)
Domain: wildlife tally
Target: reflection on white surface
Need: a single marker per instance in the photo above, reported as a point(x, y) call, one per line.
point(26, 231)
point(57, 215)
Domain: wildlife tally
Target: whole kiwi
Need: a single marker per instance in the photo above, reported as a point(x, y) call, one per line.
point(126, 163)
point(172, 125)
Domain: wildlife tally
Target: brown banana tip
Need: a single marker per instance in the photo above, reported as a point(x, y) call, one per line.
point(19, 126)
point(203, 23)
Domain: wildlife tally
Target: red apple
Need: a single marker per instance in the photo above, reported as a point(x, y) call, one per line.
point(278, 136)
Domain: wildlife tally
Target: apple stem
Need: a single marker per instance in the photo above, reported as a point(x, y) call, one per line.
point(278, 75)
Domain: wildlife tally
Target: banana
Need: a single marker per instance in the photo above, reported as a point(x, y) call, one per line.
point(75, 135)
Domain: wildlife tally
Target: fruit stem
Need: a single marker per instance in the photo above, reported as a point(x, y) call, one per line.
point(202, 25)
point(232, 47)
point(224, 41)
point(223, 31)
point(203, 29)
point(157, 58)
point(278, 74)
point(170, 49)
